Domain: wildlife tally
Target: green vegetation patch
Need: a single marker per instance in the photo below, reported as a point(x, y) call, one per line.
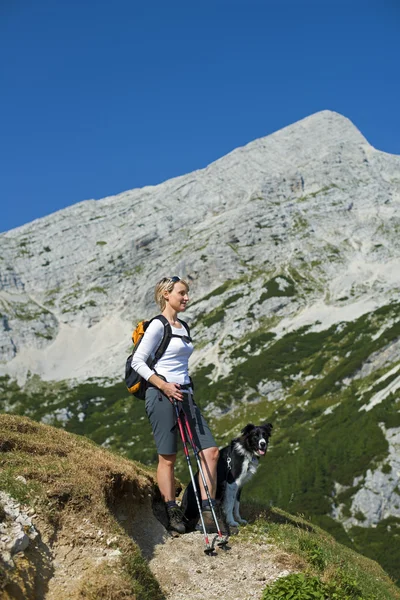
point(215, 316)
point(333, 354)
point(229, 283)
point(218, 314)
point(303, 481)
point(28, 312)
point(328, 570)
point(253, 342)
point(280, 361)
point(299, 586)
point(357, 345)
point(278, 286)
point(381, 543)
point(328, 451)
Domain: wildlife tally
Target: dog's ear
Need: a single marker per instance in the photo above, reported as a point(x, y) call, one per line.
point(267, 427)
point(249, 427)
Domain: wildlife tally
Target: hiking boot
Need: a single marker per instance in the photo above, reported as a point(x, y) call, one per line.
point(210, 523)
point(176, 519)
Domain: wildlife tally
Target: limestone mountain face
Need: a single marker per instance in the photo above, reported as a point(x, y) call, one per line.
point(291, 247)
point(314, 197)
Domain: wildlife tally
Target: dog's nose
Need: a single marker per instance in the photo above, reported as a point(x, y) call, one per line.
point(263, 444)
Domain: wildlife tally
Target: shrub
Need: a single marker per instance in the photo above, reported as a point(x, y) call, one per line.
point(304, 587)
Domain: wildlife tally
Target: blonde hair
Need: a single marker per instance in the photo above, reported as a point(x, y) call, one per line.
point(166, 284)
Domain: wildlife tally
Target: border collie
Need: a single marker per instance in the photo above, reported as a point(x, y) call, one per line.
point(237, 464)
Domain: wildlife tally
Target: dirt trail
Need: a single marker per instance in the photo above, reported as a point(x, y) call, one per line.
point(64, 560)
point(185, 572)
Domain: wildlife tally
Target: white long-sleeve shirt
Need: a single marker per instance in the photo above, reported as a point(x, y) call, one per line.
point(174, 363)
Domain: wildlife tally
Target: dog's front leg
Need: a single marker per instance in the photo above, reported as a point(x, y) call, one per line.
point(236, 509)
point(229, 503)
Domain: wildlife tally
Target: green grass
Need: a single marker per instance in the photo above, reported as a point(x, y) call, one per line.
point(218, 314)
point(215, 316)
point(275, 288)
point(328, 570)
point(381, 543)
point(254, 341)
point(307, 587)
point(105, 414)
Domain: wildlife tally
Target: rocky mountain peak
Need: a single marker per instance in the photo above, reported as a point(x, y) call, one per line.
point(73, 283)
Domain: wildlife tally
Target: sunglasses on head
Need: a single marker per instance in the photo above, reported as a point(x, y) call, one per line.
point(174, 279)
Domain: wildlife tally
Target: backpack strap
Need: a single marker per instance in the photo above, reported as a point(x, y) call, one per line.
point(167, 335)
point(185, 325)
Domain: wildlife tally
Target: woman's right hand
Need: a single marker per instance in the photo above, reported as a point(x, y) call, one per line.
point(172, 391)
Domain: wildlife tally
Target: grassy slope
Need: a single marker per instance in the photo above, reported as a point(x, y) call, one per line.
point(336, 571)
point(70, 479)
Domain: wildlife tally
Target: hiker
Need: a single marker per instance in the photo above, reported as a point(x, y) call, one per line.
point(169, 380)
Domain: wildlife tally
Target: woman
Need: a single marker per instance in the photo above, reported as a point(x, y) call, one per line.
point(167, 381)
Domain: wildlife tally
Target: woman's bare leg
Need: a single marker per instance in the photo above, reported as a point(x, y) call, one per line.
point(166, 477)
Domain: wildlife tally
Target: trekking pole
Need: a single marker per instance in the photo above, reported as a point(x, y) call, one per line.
point(222, 540)
point(209, 548)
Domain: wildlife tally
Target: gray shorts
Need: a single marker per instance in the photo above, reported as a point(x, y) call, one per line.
point(162, 417)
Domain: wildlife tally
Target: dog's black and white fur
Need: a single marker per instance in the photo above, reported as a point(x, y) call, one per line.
point(237, 464)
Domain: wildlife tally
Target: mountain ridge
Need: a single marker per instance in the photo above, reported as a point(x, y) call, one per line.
point(125, 252)
point(314, 119)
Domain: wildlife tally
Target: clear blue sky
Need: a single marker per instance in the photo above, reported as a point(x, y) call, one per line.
point(98, 97)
